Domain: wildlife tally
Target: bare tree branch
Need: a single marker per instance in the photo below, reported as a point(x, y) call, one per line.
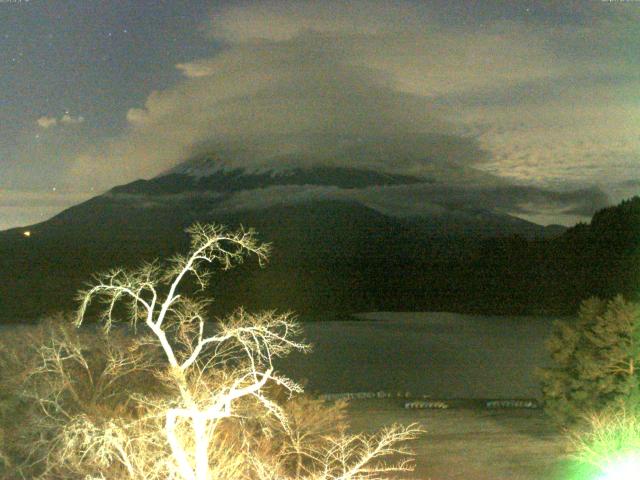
point(211, 374)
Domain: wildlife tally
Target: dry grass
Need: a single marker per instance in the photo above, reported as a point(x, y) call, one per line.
point(465, 444)
point(68, 413)
point(191, 399)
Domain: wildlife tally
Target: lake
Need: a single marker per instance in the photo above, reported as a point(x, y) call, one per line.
point(443, 355)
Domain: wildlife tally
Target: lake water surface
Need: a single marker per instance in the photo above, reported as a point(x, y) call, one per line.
point(443, 355)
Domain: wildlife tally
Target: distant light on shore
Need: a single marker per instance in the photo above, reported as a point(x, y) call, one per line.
point(27, 233)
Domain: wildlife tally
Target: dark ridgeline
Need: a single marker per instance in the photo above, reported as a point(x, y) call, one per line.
point(601, 258)
point(329, 255)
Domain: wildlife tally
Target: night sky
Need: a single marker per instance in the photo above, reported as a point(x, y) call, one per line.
point(96, 93)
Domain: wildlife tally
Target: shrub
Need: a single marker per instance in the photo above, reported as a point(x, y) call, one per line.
point(192, 399)
point(608, 437)
point(64, 385)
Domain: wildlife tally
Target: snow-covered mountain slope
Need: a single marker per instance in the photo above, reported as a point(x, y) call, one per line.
point(212, 185)
point(206, 174)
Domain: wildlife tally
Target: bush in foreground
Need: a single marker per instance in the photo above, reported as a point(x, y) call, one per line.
point(610, 437)
point(187, 400)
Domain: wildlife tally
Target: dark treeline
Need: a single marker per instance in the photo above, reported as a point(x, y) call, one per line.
point(508, 275)
point(597, 259)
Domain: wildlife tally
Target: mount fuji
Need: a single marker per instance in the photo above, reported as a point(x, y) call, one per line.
point(344, 238)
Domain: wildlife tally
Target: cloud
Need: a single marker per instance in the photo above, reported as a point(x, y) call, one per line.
point(66, 119)
point(136, 116)
point(271, 101)
point(429, 199)
point(46, 122)
point(285, 20)
point(194, 69)
point(414, 200)
point(399, 86)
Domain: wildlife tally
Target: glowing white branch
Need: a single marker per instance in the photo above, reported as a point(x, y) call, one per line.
point(257, 337)
point(213, 375)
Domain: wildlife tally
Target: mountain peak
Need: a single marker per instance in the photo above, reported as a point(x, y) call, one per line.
point(210, 173)
point(209, 164)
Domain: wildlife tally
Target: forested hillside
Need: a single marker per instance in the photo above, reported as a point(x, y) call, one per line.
point(336, 257)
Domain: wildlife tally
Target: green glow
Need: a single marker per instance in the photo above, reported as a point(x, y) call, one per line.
point(609, 449)
point(624, 468)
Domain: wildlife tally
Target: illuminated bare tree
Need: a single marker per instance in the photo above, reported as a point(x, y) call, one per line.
point(215, 369)
point(257, 339)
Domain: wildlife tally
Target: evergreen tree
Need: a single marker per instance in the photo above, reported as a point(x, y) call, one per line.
point(595, 360)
